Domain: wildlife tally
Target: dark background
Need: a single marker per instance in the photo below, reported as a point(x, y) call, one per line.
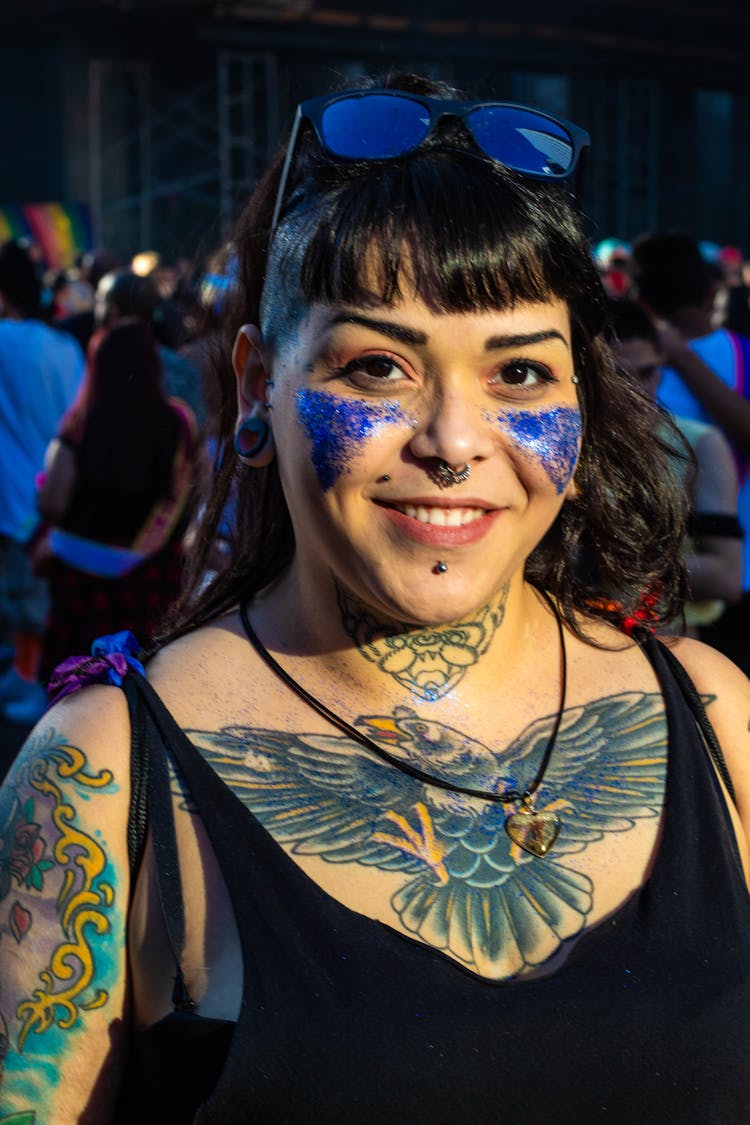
point(160, 113)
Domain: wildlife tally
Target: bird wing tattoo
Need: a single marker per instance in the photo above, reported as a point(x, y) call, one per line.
point(469, 891)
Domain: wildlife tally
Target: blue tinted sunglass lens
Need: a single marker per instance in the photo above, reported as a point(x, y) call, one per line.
point(377, 126)
point(525, 141)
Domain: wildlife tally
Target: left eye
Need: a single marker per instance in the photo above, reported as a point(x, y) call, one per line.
point(522, 373)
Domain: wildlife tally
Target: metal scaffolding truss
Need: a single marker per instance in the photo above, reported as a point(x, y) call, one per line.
point(625, 124)
point(170, 158)
point(248, 124)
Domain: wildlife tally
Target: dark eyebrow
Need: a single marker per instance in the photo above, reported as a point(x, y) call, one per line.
point(411, 336)
point(521, 341)
point(386, 327)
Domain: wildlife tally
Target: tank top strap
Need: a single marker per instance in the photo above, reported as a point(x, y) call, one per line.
point(696, 809)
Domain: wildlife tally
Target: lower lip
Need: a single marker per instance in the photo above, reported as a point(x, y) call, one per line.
point(432, 535)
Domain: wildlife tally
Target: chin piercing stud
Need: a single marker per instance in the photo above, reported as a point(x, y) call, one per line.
point(440, 568)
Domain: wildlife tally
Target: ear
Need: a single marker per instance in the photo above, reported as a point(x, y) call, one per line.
point(251, 369)
point(572, 489)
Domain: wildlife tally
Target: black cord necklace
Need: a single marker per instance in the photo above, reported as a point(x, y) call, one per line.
point(531, 830)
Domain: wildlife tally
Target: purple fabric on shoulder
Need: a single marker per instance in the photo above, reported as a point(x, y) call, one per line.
point(111, 659)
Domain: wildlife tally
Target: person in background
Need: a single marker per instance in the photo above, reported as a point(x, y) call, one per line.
point(706, 378)
point(40, 374)
point(91, 268)
point(713, 553)
point(116, 492)
point(123, 295)
point(732, 303)
point(612, 257)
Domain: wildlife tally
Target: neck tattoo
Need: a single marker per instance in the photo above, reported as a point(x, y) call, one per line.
point(535, 832)
point(427, 662)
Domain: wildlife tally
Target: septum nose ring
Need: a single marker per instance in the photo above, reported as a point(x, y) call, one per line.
point(446, 476)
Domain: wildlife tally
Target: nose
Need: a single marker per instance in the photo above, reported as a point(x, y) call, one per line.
point(453, 430)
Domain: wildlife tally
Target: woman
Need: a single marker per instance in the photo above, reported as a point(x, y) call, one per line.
point(713, 552)
point(428, 867)
point(116, 493)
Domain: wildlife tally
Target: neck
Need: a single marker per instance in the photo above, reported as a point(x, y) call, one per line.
point(693, 321)
point(429, 662)
point(384, 657)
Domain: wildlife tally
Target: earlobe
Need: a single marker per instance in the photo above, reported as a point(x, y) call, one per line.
point(250, 368)
point(253, 438)
point(253, 441)
point(573, 488)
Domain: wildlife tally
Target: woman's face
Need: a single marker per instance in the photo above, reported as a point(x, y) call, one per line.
point(640, 359)
point(367, 401)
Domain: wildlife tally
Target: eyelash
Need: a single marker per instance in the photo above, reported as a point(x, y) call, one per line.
point(360, 365)
point(544, 375)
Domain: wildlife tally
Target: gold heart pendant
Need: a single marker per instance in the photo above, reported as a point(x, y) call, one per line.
point(533, 831)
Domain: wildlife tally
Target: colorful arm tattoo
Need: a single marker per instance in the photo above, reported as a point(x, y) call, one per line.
point(61, 929)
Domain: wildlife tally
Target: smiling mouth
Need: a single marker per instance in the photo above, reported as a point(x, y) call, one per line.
point(438, 516)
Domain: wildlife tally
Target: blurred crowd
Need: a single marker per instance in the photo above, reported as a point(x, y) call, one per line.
point(107, 428)
point(106, 432)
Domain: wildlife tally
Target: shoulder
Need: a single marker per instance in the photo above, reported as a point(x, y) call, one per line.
point(95, 720)
point(205, 672)
point(717, 349)
point(708, 440)
point(185, 413)
point(716, 485)
point(708, 668)
point(725, 690)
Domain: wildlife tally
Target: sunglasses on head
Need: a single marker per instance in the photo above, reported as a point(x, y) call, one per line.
point(386, 124)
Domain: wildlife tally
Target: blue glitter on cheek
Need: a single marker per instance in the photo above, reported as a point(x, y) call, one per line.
point(338, 427)
point(551, 437)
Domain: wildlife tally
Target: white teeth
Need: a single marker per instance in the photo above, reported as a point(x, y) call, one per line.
point(441, 517)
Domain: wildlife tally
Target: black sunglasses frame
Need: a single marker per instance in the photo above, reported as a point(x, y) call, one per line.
point(312, 111)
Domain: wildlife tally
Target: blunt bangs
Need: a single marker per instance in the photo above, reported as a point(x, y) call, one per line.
point(462, 232)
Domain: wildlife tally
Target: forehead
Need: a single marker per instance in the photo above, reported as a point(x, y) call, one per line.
point(391, 271)
point(416, 322)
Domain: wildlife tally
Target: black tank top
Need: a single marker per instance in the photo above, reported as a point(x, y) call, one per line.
point(345, 1020)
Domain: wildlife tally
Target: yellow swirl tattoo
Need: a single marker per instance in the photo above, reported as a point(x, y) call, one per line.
point(84, 902)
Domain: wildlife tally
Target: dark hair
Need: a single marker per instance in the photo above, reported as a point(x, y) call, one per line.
point(128, 431)
point(19, 282)
point(475, 236)
point(134, 296)
point(669, 272)
point(629, 321)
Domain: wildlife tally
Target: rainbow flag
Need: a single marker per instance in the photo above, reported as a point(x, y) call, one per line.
point(61, 230)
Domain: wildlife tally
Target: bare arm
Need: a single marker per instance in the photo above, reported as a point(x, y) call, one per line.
point(715, 565)
point(729, 410)
point(56, 491)
point(63, 905)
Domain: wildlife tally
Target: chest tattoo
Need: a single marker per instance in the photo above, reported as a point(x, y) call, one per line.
point(467, 889)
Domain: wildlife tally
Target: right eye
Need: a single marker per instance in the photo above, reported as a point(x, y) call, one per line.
point(369, 372)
